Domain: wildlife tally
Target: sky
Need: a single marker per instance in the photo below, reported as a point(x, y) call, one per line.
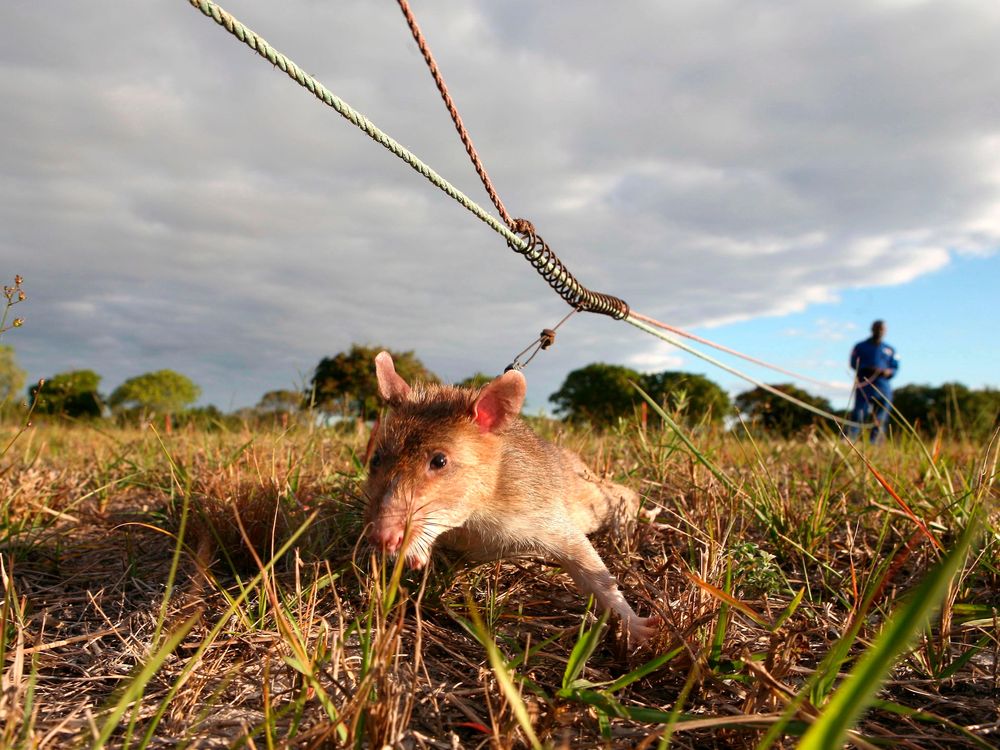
point(773, 176)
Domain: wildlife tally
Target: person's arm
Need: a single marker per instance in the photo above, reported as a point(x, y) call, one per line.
point(890, 371)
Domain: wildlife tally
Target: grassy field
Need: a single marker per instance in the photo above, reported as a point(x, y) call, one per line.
point(208, 589)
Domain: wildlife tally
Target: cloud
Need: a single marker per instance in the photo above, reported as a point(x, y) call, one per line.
point(655, 360)
point(824, 329)
point(174, 201)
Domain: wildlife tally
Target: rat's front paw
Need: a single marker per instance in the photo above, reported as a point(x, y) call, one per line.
point(641, 629)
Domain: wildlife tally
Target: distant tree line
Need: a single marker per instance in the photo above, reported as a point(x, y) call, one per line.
point(599, 395)
point(76, 394)
point(765, 410)
point(952, 407)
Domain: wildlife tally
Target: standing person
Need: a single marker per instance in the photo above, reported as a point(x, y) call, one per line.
point(874, 363)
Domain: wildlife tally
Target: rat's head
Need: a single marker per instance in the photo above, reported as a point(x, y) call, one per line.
point(434, 457)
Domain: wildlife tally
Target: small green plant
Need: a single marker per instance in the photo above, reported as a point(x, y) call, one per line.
point(755, 570)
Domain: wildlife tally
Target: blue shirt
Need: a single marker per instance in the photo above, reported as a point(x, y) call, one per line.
point(870, 356)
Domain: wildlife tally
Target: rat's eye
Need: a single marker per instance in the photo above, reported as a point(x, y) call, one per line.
point(439, 461)
point(376, 459)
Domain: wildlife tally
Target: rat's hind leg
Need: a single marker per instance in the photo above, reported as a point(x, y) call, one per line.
point(597, 502)
point(592, 576)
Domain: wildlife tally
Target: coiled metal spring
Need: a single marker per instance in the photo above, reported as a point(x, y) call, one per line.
point(549, 267)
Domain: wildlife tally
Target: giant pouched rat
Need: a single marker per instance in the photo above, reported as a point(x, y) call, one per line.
point(459, 465)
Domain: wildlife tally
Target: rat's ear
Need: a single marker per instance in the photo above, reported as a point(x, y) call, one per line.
point(391, 387)
point(500, 401)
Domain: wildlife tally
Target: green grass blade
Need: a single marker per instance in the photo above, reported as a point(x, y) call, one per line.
point(135, 689)
point(722, 622)
point(503, 675)
point(219, 626)
point(28, 710)
point(607, 704)
point(858, 690)
point(582, 651)
point(789, 610)
point(702, 458)
point(648, 668)
point(927, 716)
point(523, 656)
point(950, 671)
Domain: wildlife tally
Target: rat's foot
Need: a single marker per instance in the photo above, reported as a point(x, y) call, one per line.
point(649, 515)
point(641, 629)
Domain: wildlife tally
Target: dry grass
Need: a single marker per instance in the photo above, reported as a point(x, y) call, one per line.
point(145, 605)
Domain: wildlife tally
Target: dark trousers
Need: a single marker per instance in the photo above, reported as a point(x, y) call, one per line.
point(870, 405)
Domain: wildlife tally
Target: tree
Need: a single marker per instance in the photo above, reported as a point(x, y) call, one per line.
point(475, 381)
point(977, 411)
point(12, 377)
point(279, 406)
point(72, 394)
point(280, 402)
point(951, 406)
point(205, 418)
point(161, 392)
point(775, 414)
point(345, 383)
point(599, 394)
point(918, 404)
point(694, 396)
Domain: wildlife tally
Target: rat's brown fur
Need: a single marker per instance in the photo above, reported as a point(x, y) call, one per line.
point(502, 491)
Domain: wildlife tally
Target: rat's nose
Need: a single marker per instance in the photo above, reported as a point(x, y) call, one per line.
point(388, 538)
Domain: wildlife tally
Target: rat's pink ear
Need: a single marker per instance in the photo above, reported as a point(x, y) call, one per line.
point(500, 401)
point(391, 387)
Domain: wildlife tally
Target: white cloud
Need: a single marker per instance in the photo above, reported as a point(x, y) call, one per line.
point(709, 163)
point(656, 360)
point(824, 329)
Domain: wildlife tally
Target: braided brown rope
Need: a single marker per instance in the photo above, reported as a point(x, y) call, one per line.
point(453, 111)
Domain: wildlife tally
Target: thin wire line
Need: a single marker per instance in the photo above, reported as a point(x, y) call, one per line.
point(539, 344)
point(735, 353)
point(770, 389)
